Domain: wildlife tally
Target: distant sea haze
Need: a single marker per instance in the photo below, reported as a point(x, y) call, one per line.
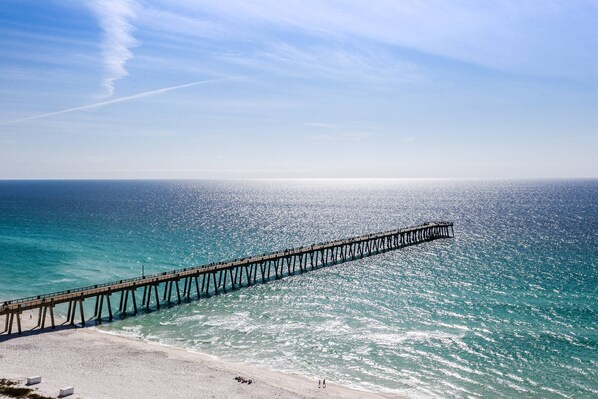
point(506, 309)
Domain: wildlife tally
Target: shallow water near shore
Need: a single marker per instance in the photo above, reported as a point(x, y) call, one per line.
point(505, 309)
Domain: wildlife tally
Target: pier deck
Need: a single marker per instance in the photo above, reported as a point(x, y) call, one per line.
point(212, 278)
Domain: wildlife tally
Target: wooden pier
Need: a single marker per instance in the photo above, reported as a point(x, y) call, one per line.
point(163, 289)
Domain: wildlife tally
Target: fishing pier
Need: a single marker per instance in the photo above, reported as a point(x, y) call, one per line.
point(163, 289)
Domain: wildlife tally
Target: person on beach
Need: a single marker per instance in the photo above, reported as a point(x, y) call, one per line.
point(324, 384)
point(319, 384)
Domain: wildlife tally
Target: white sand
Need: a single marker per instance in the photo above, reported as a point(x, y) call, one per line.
point(101, 365)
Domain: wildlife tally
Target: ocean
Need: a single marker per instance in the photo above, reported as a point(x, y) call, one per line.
point(505, 309)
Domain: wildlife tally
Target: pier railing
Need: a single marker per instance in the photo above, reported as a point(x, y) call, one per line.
point(295, 260)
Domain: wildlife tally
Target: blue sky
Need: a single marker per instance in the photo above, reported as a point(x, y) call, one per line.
point(241, 89)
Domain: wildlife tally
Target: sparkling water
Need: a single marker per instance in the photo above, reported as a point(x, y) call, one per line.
point(508, 308)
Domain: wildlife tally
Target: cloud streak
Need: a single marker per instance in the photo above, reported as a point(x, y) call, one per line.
point(113, 101)
point(114, 18)
point(505, 36)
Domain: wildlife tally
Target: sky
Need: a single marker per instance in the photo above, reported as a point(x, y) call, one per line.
point(196, 89)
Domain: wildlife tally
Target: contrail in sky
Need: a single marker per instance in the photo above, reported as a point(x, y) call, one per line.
point(115, 19)
point(114, 101)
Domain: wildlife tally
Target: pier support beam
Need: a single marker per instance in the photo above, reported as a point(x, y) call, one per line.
point(43, 324)
point(178, 292)
point(73, 307)
point(39, 316)
point(169, 291)
point(11, 322)
point(19, 323)
point(95, 313)
point(68, 312)
point(122, 298)
point(12, 318)
point(52, 314)
point(157, 296)
point(134, 300)
point(144, 295)
point(216, 284)
point(109, 306)
point(81, 311)
point(99, 314)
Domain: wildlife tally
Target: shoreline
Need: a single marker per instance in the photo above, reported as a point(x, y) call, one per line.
point(102, 364)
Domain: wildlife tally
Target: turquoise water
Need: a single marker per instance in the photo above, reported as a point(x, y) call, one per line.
point(508, 308)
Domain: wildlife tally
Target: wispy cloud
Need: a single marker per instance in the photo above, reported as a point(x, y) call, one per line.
point(342, 136)
point(113, 101)
point(352, 64)
point(511, 36)
point(114, 17)
point(322, 125)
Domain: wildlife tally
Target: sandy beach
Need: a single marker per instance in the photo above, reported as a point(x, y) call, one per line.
point(101, 365)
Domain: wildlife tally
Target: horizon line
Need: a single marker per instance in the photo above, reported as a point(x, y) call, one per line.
point(291, 178)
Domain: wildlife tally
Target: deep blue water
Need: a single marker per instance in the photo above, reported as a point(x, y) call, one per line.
point(508, 308)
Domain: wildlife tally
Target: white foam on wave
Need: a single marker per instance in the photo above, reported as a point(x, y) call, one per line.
point(410, 336)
